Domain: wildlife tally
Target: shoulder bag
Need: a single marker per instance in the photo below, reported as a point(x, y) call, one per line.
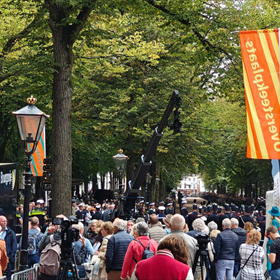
point(238, 276)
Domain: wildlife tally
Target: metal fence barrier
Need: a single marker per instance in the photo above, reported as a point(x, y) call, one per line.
point(36, 266)
point(28, 274)
point(3, 278)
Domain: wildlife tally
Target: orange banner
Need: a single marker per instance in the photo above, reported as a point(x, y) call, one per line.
point(260, 56)
point(38, 156)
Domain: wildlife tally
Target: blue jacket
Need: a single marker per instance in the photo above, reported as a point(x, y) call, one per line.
point(11, 245)
point(116, 249)
point(226, 245)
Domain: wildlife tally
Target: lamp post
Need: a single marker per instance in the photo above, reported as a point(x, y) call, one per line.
point(120, 161)
point(30, 121)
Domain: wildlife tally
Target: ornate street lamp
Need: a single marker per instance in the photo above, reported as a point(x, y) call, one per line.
point(120, 162)
point(30, 121)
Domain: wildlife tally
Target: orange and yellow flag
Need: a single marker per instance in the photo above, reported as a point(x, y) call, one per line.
point(260, 56)
point(38, 156)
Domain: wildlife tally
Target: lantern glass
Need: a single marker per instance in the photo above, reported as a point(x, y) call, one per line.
point(120, 161)
point(30, 127)
point(31, 122)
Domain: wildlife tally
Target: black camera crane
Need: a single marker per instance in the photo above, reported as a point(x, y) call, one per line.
point(127, 202)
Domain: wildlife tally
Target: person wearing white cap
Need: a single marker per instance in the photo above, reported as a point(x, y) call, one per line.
point(152, 209)
point(97, 215)
point(161, 213)
point(184, 210)
point(80, 212)
point(170, 209)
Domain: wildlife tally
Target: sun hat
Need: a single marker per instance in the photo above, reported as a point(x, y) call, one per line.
point(274, 211)
point(167, 219)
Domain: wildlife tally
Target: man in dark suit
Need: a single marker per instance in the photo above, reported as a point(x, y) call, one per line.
point(192, 216)
point(214, 216)
point(170, 209)
point(152, 209)
point(184, 210)
point(226, 214)
point(97, 215)
point(246, 217)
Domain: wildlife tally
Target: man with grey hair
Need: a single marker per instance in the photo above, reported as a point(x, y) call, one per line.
point(226, 248)
point(177, 226)
point(116, 249)
point(242, 236)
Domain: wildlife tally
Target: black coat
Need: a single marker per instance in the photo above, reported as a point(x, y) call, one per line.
point(97, 216)
point(244, 219)
point(242, 236)
point(191, 217)
point(213, 217)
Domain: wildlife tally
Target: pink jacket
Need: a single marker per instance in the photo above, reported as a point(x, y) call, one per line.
point(135, 251)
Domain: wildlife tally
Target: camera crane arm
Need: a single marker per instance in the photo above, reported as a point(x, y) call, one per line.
point(145, 162)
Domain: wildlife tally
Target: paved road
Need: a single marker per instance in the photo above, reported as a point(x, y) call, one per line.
point(190, 201)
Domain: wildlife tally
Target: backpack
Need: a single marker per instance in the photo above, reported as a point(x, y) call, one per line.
point(32, 243)
point(50, 258)
point(147, 252)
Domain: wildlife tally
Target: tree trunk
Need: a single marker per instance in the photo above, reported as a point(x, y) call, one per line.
point(102, 181)
point(62, 141)
point(86, 186)
point(64, 35)
point(94, 183)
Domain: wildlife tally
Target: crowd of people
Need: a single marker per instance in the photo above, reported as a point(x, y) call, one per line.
point(108, 247)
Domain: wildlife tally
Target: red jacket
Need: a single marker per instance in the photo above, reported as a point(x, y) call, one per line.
point(161, 266)
point(135, 251)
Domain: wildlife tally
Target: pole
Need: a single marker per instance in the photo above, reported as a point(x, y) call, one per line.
point(120, 182)
point(24, 242)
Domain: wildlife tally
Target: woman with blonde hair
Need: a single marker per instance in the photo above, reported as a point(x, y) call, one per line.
point(99, 269)
point(252, 257)
point(248, 226)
